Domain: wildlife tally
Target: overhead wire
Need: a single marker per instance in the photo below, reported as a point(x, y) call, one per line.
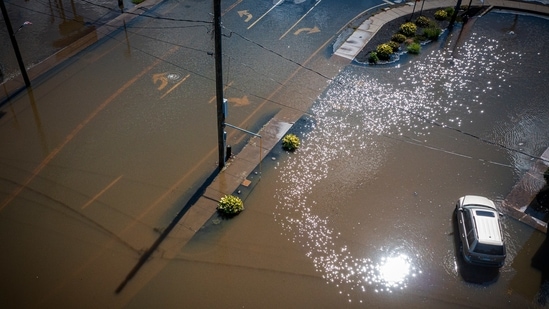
point(232, 32)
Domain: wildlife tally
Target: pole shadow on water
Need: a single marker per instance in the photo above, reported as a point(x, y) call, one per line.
point(471, 273)
point(147, 254)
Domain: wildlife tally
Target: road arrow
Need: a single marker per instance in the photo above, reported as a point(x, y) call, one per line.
point(239, 101)
point(245, 13)
point(308, 30)
point(163, 78)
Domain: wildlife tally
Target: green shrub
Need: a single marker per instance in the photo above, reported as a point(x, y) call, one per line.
point(384, 51)
point(394, 45)
point(423, 21)
point(290, 142)
point(408, 29)
point(449, 11)
point(137, 1)
point(230, 205)
point(432, 33)
point(414, 48)
point(373, 58)
point(441, 15)
point(398, 37)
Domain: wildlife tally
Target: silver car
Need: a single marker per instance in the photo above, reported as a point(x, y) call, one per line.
point(480, 231)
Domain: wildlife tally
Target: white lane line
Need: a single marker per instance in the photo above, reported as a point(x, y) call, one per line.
point(274, 6)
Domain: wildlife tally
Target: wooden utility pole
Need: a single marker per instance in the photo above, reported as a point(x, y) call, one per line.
point(14, 43)
point(219, 84)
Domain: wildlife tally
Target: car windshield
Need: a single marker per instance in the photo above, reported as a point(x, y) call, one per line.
point(489, 249)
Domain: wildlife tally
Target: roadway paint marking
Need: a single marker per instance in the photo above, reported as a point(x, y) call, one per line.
point(247, 14)
point(101, 192)
point(297, 22)
point(308, 30)
point(274, 6)
point(231, 7)
point(175, 86)
point(79, 127)
point(239, 101)
point(224, 88)
point(163, 78)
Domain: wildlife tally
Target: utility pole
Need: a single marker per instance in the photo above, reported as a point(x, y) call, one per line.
point(14, 43)
point(219, 85)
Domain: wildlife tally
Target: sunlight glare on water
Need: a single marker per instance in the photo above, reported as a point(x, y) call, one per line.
point(444, 89)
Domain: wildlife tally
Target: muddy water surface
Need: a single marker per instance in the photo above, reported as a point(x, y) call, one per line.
point(361, 214)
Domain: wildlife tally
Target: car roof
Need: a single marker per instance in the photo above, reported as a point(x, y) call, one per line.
point(487, 224)
point(478, 200)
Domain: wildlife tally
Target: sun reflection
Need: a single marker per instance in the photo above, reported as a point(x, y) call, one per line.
point(394, 270)
point(341, 151)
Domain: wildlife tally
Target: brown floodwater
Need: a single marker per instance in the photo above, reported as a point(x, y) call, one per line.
point(362, 214)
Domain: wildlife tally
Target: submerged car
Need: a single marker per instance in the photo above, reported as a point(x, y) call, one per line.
point(480, 231)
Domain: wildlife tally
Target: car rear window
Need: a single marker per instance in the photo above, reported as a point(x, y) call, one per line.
point(489, 249)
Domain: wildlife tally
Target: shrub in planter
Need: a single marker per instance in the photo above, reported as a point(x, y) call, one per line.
point(408, 29)
point(423, 21)
point(432, 33)
point(441, 15)
point(449, 11)
point(373, 58)
point(394, 45)
point(290, 142)
point(384, 51)
point(414, 48)
point(398, 37)
point(230, 205)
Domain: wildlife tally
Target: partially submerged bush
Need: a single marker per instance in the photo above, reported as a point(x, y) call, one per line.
point(432, 33)
point(373, 58)
point(408, 29)
point(398, 37)
point(384, 51)
point(414, 48)
point(449, 11)
point(423, 21)
point(441, 15)
point(290, 142)
point(230, 205)
point(394, 45)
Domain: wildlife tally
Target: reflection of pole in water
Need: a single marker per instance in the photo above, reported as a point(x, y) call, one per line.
point(128, 52)
point(38, 122)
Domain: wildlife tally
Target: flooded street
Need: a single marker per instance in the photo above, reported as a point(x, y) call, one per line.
point(362, 214)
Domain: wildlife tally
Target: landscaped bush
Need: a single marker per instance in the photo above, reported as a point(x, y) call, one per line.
point(423, 21)
point(449, 11)
point(373, 58)
point(398, 37)
point(394, 45)
point(384, 51)
point(432, 33)
point(408, 29)
point(230, 205)
point(414, 48)
point(290, 142)
point(441, 15)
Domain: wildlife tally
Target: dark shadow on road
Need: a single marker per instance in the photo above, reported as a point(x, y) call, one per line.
point(147, 254)
point(540, 261)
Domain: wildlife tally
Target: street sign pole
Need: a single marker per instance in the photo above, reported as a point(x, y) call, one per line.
point(219, 84)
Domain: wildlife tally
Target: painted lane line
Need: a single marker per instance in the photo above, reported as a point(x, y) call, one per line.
point(101, 192)
point(257, 20)
point(297, 22)
point(175, 86)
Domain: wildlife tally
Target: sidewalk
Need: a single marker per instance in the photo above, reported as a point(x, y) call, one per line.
point(356, 42)
point(238, 172)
